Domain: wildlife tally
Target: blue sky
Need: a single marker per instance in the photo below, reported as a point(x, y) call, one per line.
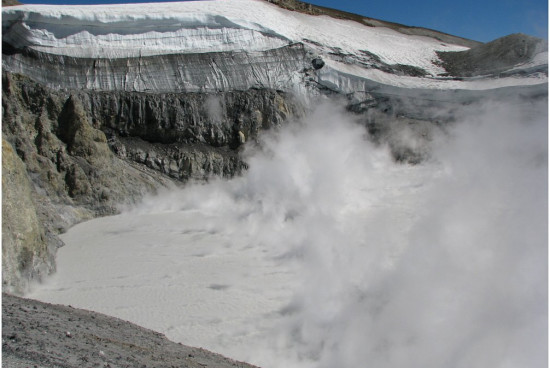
point(481, 20)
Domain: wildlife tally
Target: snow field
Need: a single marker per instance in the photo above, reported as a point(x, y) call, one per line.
point(140, 30)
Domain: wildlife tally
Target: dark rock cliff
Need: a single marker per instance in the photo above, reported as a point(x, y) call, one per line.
point(27, 253)
point(71, 156)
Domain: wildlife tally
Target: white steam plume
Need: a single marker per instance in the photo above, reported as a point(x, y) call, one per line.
point(441, 264)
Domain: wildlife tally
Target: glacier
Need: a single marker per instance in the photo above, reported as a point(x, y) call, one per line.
point(136, 48)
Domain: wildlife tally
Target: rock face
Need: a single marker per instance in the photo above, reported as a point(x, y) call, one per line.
point(10, 2)
point(71, 156)
point(26, 252)
point(56, 174)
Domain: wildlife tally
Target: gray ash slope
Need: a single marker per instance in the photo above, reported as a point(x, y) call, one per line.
point(51, 336)
point(496, 57)
point(83, 135)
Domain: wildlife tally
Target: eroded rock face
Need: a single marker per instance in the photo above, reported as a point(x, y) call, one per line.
point(213, 119)
point(27, 254)
point(76, 155)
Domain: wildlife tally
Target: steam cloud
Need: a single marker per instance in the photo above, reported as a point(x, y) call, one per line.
point(455, 279)
point(441, 264)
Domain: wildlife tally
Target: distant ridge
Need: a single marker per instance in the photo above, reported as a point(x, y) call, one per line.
point(311, 9)
point(493, 57)
point(10, 2)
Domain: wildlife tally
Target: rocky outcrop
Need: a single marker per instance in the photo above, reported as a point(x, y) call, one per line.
point(213, 119)
point(60, 176)
point(10, 2)
point(188, 135)
point(27, 254)
point(76, 155)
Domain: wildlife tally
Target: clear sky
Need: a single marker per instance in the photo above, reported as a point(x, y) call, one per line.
point(481, 20)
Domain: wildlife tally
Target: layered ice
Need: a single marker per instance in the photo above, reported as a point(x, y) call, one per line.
point(196, 25)
point(194, 72)
point(152, 34)
point(73, 34)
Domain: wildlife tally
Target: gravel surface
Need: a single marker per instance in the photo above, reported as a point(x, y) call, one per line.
point(36, 334)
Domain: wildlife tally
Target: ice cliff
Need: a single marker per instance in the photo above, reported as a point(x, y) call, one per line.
point(103, 104)
point(209, 46)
